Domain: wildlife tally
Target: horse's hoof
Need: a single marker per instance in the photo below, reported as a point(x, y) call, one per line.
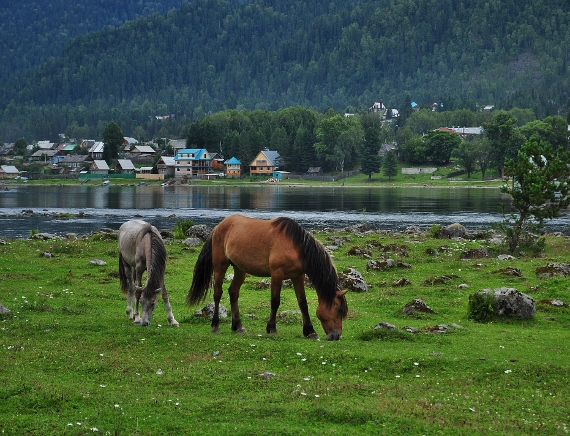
point(313, 336)
point(215, 330)
point(241, 330)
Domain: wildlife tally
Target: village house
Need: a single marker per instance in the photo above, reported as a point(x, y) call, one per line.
point(233, 168)
point(76, 162)
point(46, 155)
point(139, 151)
point(99, 167)
point(177, 144)
point(265, 163)
point(96, 150)
point(217, 161)
point(8, 171)
point(192, 162)
point(315, 171)
point(166, 166)
point(124, 166)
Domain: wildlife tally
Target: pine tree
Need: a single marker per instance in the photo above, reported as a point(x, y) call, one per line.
point(390, 165)
point(112, 139)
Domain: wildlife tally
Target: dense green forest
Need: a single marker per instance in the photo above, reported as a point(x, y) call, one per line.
point(33, 30)
point(212, 55)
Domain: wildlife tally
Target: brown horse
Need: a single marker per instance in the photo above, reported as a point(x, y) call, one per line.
point(280, 249)
point(141, 249)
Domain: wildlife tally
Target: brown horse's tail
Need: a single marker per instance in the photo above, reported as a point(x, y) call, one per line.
point(202, 274)
point(122, 275)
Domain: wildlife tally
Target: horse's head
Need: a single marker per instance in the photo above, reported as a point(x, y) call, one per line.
point(331, 315)
point(148, 301)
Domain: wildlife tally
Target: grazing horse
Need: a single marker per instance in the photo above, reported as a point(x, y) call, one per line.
point(279, 248)
point(141, 249)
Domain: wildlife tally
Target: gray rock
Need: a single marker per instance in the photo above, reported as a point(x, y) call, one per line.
point(454, 230)
point(192, 242)
point(385, 325)
point(4, 309)
point(98, 262)
point(44, 236)
point(553, 269)
point(352, 280)
point(509, 302)
point(208, 311)
point(505, 257)
point(200, 231)
point(416, 305)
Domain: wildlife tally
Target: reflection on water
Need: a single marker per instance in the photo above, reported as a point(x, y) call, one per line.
point(109, 206)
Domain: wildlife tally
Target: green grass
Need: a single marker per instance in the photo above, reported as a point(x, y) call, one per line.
point(72, 362)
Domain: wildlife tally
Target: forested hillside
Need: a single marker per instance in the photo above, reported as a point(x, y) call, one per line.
point(33, 30)
point(210, 55)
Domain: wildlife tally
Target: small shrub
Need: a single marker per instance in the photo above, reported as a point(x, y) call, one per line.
point(481, 307)
point(181, 227)
point(34, 232)
point(434, 230)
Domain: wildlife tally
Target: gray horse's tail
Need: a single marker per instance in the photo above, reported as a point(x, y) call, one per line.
point(157, 267)
point(202, 274)
point(122, 275)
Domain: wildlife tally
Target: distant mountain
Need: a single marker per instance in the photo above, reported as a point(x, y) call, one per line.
point(210, 55)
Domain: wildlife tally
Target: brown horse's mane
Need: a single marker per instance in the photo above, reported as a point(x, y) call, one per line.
point(155, 273)
point(317, 263)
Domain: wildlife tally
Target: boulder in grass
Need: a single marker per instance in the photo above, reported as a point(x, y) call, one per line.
point(505, 302)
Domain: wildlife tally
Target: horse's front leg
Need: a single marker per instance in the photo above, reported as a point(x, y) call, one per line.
point(275, 302)
point(308, 329)
point(237, 281)
point(168, 308)
point(137, 277)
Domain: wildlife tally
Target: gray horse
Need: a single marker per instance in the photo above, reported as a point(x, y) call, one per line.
point(141, 249)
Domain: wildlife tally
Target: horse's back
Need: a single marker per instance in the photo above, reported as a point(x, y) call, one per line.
point(255, 246)
point(130, 234)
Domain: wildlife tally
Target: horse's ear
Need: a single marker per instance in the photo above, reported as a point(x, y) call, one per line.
point(341, 293)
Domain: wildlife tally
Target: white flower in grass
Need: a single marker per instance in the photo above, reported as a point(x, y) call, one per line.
point(508, 371)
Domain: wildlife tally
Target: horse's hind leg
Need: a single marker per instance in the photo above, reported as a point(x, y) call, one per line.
point(218, 281)
point(168, 308)
point(136, 282)
point(237, 281)
point(308, 329)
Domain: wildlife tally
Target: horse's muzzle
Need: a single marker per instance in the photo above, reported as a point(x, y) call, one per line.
point(145, 323)
point(333, 336)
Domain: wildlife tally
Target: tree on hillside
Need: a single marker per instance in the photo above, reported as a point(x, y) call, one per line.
point(504, 137)
point(370, 159)
point(390, 164)
point(538, 183)
point(20, 147)
point(112, 140)
point(332, 146)
point(466, 154)
point(439, 145)
point(482, 149)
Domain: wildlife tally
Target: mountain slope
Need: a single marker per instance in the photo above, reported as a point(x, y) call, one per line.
point(214, 54)
point(33, 30)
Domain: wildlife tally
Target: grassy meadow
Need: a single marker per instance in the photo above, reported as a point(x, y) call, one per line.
point(72, 363)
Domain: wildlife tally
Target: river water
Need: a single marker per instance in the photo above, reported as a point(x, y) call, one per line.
point(88, 208)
